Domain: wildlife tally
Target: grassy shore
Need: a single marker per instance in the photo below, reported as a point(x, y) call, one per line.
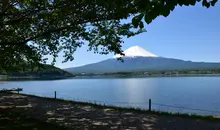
point(131, 109)
point(22, 111)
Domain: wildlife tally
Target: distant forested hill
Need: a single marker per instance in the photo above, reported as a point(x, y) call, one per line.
point(43, 71)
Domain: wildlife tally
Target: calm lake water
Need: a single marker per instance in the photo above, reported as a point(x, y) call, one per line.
point(187, 92)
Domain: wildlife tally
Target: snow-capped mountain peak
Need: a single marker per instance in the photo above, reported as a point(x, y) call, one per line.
point(136, 51)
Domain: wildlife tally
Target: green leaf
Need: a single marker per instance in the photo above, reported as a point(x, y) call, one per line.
point(141, 25)
point(213, 2)
point(27, 1)
point(135, 23)
point(136, 20)
point(180, 4)
point(172, 7)
point(192, 2)
point(148, 18)
point(205, 3)
point(166, 12)
point(136, 1)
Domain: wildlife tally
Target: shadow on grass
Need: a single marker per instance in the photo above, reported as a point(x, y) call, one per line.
point(85, 115)
point(131, 109)
point(10, 120)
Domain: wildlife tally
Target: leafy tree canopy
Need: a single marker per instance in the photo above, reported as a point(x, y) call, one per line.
point(31, 29)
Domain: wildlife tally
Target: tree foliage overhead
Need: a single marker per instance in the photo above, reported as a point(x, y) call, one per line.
point(31, 29)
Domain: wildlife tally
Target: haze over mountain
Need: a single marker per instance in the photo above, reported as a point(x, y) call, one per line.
point(138, 59)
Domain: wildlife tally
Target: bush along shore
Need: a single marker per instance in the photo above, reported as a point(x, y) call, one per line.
point(94, 111)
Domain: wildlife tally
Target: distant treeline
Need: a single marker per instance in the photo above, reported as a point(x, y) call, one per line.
point(42, 71)
point(149, 73)
point(175, 72)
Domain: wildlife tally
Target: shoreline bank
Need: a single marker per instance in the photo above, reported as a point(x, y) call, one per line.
point(84, 115)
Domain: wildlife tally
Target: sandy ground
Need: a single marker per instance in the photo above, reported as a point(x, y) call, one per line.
point(75, 116)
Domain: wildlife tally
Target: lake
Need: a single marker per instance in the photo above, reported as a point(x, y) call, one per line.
point(165, 92)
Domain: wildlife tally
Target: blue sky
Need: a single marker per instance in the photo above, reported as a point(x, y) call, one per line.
point(188, 33)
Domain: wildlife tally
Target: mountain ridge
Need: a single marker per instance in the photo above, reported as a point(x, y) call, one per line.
point(141, 64)
point(141, 61)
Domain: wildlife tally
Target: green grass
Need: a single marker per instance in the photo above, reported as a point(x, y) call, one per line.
point(135, 110)
point(131, 109)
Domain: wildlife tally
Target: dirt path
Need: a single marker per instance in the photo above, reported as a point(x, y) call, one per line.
point(87, 117)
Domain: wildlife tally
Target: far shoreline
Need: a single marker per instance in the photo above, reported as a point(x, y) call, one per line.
point(30, 78)
point(145, 76)
point(97, 76)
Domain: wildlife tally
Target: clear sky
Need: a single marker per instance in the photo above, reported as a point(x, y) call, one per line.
point(188, 33)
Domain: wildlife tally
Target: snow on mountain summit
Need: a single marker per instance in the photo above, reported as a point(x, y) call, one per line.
point(136, 51)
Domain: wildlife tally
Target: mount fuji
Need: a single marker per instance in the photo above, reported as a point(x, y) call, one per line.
point(138, 59)
point(136, 51)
